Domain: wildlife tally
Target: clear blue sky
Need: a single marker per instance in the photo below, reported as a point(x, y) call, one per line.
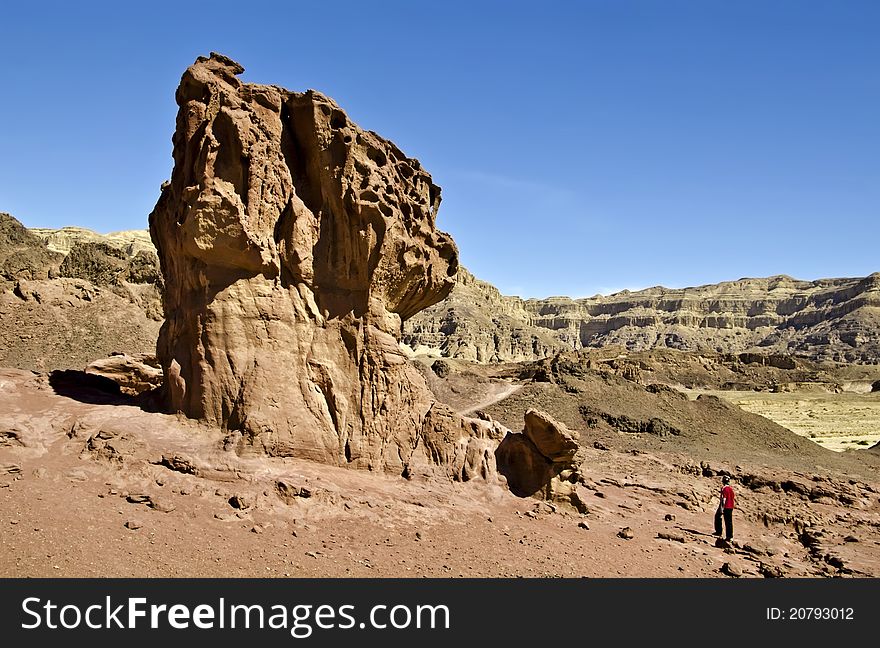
point(581, 146)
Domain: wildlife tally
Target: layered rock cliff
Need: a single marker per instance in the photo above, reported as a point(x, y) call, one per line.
point(476, 322)
point(62, 240)
point(293, 243)
point(828, 319)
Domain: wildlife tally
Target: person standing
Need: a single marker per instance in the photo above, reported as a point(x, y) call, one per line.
point(725, 509)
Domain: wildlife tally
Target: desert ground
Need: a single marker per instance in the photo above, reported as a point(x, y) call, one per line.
point(843, 421)
point(95, 485)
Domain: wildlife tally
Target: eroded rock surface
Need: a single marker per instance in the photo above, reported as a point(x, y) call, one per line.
point(543, 460)
point(293, 243)
point(826, 319)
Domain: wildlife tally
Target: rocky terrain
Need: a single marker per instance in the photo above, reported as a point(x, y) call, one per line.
point(283, 429)
point(828, 319)
point(63, 307)
point(93, 484)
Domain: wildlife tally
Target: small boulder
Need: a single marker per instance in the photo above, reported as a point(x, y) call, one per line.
point(441, 368)
point(239, 502)
point(551, 438)
point(161, 504)
point(626, 533)
point(770, 571)
point(729, 569)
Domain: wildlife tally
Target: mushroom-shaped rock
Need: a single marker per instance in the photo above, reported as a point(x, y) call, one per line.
point(542, 460)
point(293, 243)
point(552, 439)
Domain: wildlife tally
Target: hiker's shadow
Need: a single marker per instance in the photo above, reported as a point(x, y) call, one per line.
point(695, 532)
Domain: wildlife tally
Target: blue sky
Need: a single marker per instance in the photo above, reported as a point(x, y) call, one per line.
point(581, 146)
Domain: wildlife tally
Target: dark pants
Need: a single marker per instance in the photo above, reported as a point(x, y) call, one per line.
point(728, 522)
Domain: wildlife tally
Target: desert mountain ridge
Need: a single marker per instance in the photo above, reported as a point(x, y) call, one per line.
point(823, 320)
point(835, 319)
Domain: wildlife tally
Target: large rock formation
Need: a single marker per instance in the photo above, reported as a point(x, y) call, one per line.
point(293, 243)
point(827, 319)
point(543, 460)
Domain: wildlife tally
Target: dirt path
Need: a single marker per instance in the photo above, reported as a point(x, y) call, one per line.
point(498, 394)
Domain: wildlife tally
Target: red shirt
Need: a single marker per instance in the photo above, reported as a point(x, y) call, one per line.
point(727, 497)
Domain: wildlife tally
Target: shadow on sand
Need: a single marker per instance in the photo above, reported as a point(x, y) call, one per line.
point(89, 388)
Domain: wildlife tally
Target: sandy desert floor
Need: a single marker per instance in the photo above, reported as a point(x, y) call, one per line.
point(835, 421)
point(91, 489)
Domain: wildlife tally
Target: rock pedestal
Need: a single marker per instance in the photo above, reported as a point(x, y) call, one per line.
point(293, 244)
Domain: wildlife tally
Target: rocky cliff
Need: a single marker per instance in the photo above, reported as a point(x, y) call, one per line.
point(293, 243)
point(61, 308)
point(476, 322)
point(828, 319)
point(131, 242)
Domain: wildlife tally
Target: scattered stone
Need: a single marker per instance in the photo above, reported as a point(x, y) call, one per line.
point(675, 537)
point(258, 529)
point(729, 569)
point(583, 525)
point(851, 538)
point(441, 368)
point(289, 492)
point(835, 561)
point(161, 504)
point(770, 571)
point(179, 463)
point(578, 499)
point(626, 533)
point(239, 502)
point(752, 549)
point(669, 517)
point(138, 498)
point(133, 525)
